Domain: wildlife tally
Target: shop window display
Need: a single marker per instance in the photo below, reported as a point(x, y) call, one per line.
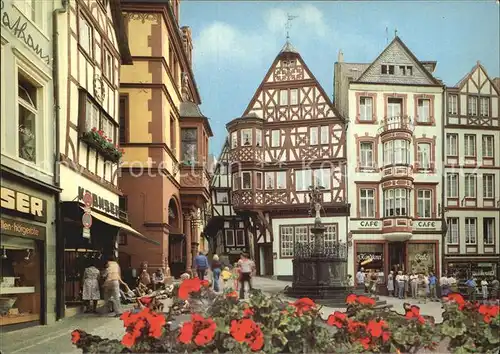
point(421, 257)
point(370, 256)
point(20, 287)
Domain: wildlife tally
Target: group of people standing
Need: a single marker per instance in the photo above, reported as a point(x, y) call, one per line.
point(425, 286)
point(241, 272)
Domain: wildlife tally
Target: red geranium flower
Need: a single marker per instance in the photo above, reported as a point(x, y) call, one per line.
point(205, 283)
point(414, 312)
point(247, 331)
point(351, 299)
point(352, 326)
point(386, 336)
point(247, 311)
point(128, 340)
point(365, 300)
point(489, 312)
point(189, 286)
point(303, 305)
point(145, 322)
point(459, 299)
point(337, 319)
point(365, 342)
point(75, 336)
point(94, 129)
point(200, 330)
point(376, 328)
point(232, 294)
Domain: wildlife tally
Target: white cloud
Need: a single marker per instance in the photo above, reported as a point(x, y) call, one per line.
point(309, 20)
point(220, 42)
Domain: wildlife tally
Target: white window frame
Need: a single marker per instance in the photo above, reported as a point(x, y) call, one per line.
point(323, 176)
point(258, 183)
point(226, 236)
point(330, 236)
point(85, 35)
point(424, 110)
point(365, 109)
point(452, 185)
point(484, 106)
point(258, 137)
point(394, 108)
point(396, 200)
point(472, 106)
point(325, 135)
point(452, 104)
point(246, 136)
point(424, 157)
point(270, 180)
point(470, 183)
point(219, 197)
point(240, 232)
point(452, 235)
point(286, 241)
point(424, 203)
point(452, 144)
point(275, 138)
point(489, 186)
point(313, 135)
point(388, 152)
point(488, 146)
point(34, 108)
point(470, 145)
point(366, 154)
point(243, 174)
point(294, 96)
point(234, 140)
point(281, 180)
point(367, 203)
point(283, 97)
point(470, 231)
point(489, 231)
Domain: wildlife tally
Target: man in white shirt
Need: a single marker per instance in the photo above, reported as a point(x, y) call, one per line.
point(400, 280)
point(360, 277)
point(413, 284)
point(247, 267)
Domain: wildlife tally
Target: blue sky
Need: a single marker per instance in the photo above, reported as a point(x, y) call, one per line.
point(235, 42)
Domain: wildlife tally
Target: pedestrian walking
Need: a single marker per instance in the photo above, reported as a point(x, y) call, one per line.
point(432, 287)
point(216, 270)
point(247, 267)
point(390, 283)
point(453, 284)
point(471, 288)
point(445, 288)
point(201, 265)
point(413, 285)
point(400, 280)
point(495, 284)
point(421, 289)
point(360, 278)
point(112, 286)
point(90, 291)
point(484, 290)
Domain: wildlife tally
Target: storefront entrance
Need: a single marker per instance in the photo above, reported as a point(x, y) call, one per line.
point(397, 256)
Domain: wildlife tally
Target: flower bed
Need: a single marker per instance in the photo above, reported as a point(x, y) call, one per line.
point(104, 145)
point(267, 324)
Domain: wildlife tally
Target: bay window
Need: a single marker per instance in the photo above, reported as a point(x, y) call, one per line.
point(275, 180)
point(28, 114)
point(270, 180)
point(396, 202)
point(258, 176)
point(246, 180)
point(424, 203)
point(189, 145)
point(258, 137)
point(396, 152)
point(317, 177)
point(234, 140)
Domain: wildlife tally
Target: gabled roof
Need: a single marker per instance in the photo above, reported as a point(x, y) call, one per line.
point(289, 52)
point(467, 76)
point(418, 63)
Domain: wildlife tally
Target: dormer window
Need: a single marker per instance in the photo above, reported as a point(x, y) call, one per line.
point(402, 70)
point(409, 70)
point(387, 69)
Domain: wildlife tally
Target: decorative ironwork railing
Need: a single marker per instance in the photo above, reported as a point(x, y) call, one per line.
point(327, 250)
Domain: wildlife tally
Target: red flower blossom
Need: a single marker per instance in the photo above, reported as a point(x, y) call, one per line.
point(205, 283)
point(386, 336)
point(232, 294)
point(353, 326)
point(128, 340)
point(247, 311)
point(199, 331)
point(249, 332)
point(189, 286)
point(337, 319)
point(94, 129)
point(110, 140)
point(365, 342)
point(351, 299)
point(145, 322)
point(366, 301)
point(376, 328)
point(489, 312)
point(303, 305)
point(457, 298)
point(414, 312)
point(75, 336)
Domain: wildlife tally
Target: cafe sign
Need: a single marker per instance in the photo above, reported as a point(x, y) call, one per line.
point(426, 224)
point(99, 202)
point(372, 256)
point(23, 205)
point(367, 224)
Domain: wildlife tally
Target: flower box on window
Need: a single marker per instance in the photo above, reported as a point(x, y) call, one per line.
point(96, 139)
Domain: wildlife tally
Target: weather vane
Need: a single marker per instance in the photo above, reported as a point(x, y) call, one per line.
point(288, 25)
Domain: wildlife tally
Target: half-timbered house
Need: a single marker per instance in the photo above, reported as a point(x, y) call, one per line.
point(225, 229)
point(472, 168)
point(289, 138)
point(165, 136)
point(91, 47)
point(394, 105)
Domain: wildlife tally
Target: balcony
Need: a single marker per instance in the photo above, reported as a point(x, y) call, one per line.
point(397, 172)
point(397, 228)
point(397, 124)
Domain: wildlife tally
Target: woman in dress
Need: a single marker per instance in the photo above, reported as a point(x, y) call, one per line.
point(91, 292)
point(390, 283)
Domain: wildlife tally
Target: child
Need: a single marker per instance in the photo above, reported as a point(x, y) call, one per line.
point(226, 275)
point(236, 277)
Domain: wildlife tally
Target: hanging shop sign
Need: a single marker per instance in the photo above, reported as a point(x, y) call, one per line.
point(23, 205)
point(87, 216)
point(98, 202)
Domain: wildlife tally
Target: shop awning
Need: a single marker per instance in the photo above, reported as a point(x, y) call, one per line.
point(127, 228)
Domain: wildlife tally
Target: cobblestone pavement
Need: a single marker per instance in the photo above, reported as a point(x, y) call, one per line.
point(55, 338)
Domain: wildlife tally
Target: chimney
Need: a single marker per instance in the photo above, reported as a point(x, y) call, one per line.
point(187, 43)
point(340, 58)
